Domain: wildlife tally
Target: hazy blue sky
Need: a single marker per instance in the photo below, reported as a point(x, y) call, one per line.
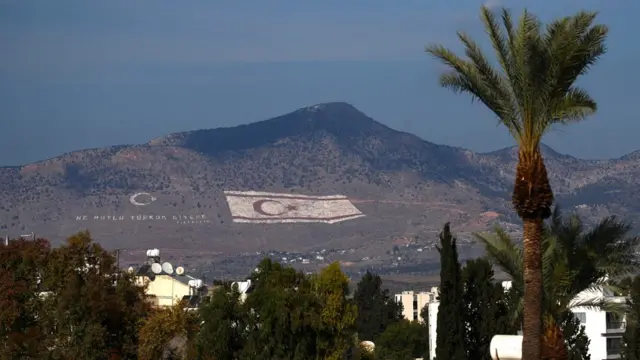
point(80, 74)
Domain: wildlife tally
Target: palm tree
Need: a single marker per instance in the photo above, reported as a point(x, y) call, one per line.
point(575, 261)
point(532, 90)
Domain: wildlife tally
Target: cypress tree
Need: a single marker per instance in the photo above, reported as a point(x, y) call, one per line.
point(451, 328)
point(486, 312)
point(631, 338)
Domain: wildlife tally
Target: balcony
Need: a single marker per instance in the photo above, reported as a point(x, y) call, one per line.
point(616, 327)
point(614, 348)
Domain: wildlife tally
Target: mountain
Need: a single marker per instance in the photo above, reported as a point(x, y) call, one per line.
point(405, 187)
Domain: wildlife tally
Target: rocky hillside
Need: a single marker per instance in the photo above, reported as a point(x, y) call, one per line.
point(406, 187)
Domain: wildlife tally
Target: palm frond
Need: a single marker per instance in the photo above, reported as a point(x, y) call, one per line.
point(466, 77)
point(533, 88)
point(575, 45)
point(504, 253)
point(496, 85)
point(576, 106)
point(579, 265)
point(599, 303)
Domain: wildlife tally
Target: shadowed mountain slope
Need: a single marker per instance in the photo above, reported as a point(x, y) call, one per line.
point(406, 187)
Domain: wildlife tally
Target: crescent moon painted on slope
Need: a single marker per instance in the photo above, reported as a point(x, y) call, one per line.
point(258, 207)
point(132, 199)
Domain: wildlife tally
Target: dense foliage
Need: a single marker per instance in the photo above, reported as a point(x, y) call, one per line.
point(376, 307)
point(631, 349)
point(487, 308)
point(72, 302)
point(531, 89)
point(576, 259)
point(451, 327)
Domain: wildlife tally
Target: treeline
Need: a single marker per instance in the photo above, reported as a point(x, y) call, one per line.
point(576, 260)
point(73, 302)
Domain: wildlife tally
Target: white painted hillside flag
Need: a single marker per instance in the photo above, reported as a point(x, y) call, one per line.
point(274, 208)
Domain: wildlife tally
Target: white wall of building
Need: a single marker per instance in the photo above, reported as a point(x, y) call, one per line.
point(413, 302)
point(433, 327)
point(603, 329)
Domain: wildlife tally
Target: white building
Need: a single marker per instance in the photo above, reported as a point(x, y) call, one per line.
point(604, 329)
point(413, 303)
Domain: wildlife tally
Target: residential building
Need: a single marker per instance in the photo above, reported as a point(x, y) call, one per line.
point(166, 287)
point(413, 302)
point(603, 328)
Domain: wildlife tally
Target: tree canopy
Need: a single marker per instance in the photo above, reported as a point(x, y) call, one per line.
point(631, 338)
point(531, 88)
point(70, 302)
point(377, 308)
point(451, 328)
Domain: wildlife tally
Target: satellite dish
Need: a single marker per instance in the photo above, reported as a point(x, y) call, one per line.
point(156, 268)
point(131, 269)
point(179, 270)
point(168, 268)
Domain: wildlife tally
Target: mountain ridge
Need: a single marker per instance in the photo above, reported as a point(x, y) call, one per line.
point(333, 106)
point(406, 186)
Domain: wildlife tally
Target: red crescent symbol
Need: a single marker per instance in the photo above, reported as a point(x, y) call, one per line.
point(257, 207)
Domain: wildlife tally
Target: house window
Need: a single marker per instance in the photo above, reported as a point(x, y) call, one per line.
point(582, 317)
point(614, 321)
point(614, 346)
point(415, 303)
point(415, 315)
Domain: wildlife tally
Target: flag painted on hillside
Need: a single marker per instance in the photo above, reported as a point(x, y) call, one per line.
point(273, 208)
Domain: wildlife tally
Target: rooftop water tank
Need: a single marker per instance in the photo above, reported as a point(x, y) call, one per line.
point(506, 347)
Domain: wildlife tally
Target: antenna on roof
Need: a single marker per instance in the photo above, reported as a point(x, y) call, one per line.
point(179, 270)
point(153, 256)
point(156, 268)
point(168, 268)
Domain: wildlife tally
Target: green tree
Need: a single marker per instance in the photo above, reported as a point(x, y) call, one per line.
point(403, 340)
point(92, 309)
point(451, 328)
point(487, 312)
point(576, 339)
point(337, 314)
point(377, 309)
point(284, 315)
point(531, 91)
point(21, 264)
point(575, 260)
point(167, 333)
point(223, 332)
point(631, 338)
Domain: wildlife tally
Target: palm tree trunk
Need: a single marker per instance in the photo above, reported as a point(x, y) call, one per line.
point(532, 319)
point(532, 199)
